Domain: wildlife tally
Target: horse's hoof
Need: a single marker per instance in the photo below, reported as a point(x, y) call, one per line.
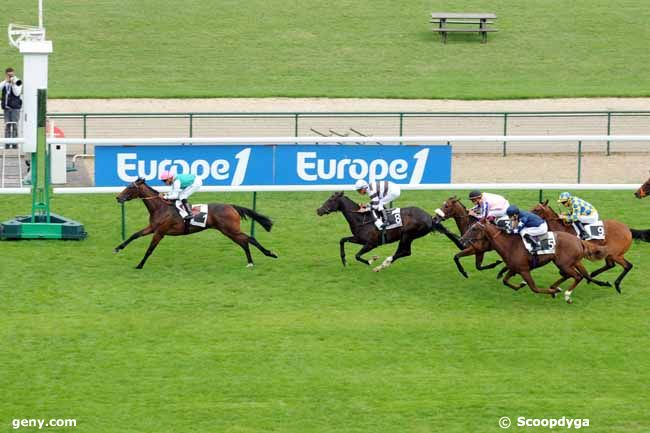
point(139, 267)
point(116, 250)
point(275, 256)
point(569, 301)
point(375, 257)
point(464, 274)
point(618, 289)
point(250, 265)
point(377, 269)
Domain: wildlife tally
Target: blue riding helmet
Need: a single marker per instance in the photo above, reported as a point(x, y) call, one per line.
point(564, 196)
point(512, 210)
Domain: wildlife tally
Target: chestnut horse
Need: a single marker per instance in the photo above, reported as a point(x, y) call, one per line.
point(643, 190)
point(454, 208)
point(165, 220)
point(569, 251)
point(618, 239)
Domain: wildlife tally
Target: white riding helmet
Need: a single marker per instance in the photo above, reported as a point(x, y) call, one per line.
point(360, 184)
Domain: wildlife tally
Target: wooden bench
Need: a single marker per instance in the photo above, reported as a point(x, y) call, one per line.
point(467, 21)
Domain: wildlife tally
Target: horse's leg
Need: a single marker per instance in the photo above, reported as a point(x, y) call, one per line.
point(242, 239)
point(157, 237)
point(362, 251)
point(479, 262)
point(609, 264)
point(501, 272)
point(585, 273)
point(570, 272)
point(145, 231)
point(259, 246)
point(627, 267)
point(531, 283)
point(342, 245)
point(506, 281)
point(466, 252)
point(403, 250)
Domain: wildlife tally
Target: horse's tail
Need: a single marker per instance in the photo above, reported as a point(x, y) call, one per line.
point(593, 252)
point(246, 212)
point(641, 235)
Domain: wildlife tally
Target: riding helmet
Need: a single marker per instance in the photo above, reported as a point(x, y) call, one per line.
point(475, 194)
point(512, 210)
point(360, 184)
point(565, 196)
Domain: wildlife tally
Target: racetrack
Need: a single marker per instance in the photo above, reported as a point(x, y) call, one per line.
point(197, 342)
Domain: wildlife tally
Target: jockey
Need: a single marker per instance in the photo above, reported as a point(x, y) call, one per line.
point(183, 186)
point(527, 224)
point(381, 193)
point(581, 212)
point(487, 205)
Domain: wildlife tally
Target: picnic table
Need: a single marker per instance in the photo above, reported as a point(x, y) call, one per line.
point(463, 23)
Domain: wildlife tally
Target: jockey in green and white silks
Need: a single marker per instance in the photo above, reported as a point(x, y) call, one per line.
point(183, 186)
point(381, 193)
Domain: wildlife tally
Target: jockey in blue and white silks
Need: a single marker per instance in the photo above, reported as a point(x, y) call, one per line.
point(527, 224)
point(381, 193)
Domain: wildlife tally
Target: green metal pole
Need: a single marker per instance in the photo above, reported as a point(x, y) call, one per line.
point(191, 124)
point(579, 160)
point(255, 209)
point(541, 196)
point(123, 222)
point(401, 125)
point(609, 128)
point(505, 130)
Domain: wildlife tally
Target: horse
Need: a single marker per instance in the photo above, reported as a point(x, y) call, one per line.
point(618, 239)
point(643, 190)
point(569, 251)
point(164, 220)
point(415, 224)
point(454, 208)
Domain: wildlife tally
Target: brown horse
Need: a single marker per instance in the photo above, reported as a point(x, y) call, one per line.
point(454, 208)
point(165, 220)
point(618, 239)
point(569, 251)
point(643, 190)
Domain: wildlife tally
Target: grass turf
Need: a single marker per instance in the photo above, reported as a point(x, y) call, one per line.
point(340, 48)
point(196, 342)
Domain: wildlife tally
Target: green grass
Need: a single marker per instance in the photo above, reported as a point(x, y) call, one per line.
point(196, 342)
point(340, 48)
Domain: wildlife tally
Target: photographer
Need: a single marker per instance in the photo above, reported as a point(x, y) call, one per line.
point(12, 88)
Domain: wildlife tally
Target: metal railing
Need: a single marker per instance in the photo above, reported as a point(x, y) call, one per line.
point(348, 124)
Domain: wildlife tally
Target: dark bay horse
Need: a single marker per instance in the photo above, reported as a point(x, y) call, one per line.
point(454, 208)
point(165, 220)
point(618, 239)
point(569, 251)
point(415, 224)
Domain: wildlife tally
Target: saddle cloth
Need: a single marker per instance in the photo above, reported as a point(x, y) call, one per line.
point(199, 212)
point(546, 242)
point(394, 219)
point(595, 231)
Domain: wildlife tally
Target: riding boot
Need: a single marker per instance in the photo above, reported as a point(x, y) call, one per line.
point(188, 209)
point(533, 243)
point(384, 219)
point(581, 229)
